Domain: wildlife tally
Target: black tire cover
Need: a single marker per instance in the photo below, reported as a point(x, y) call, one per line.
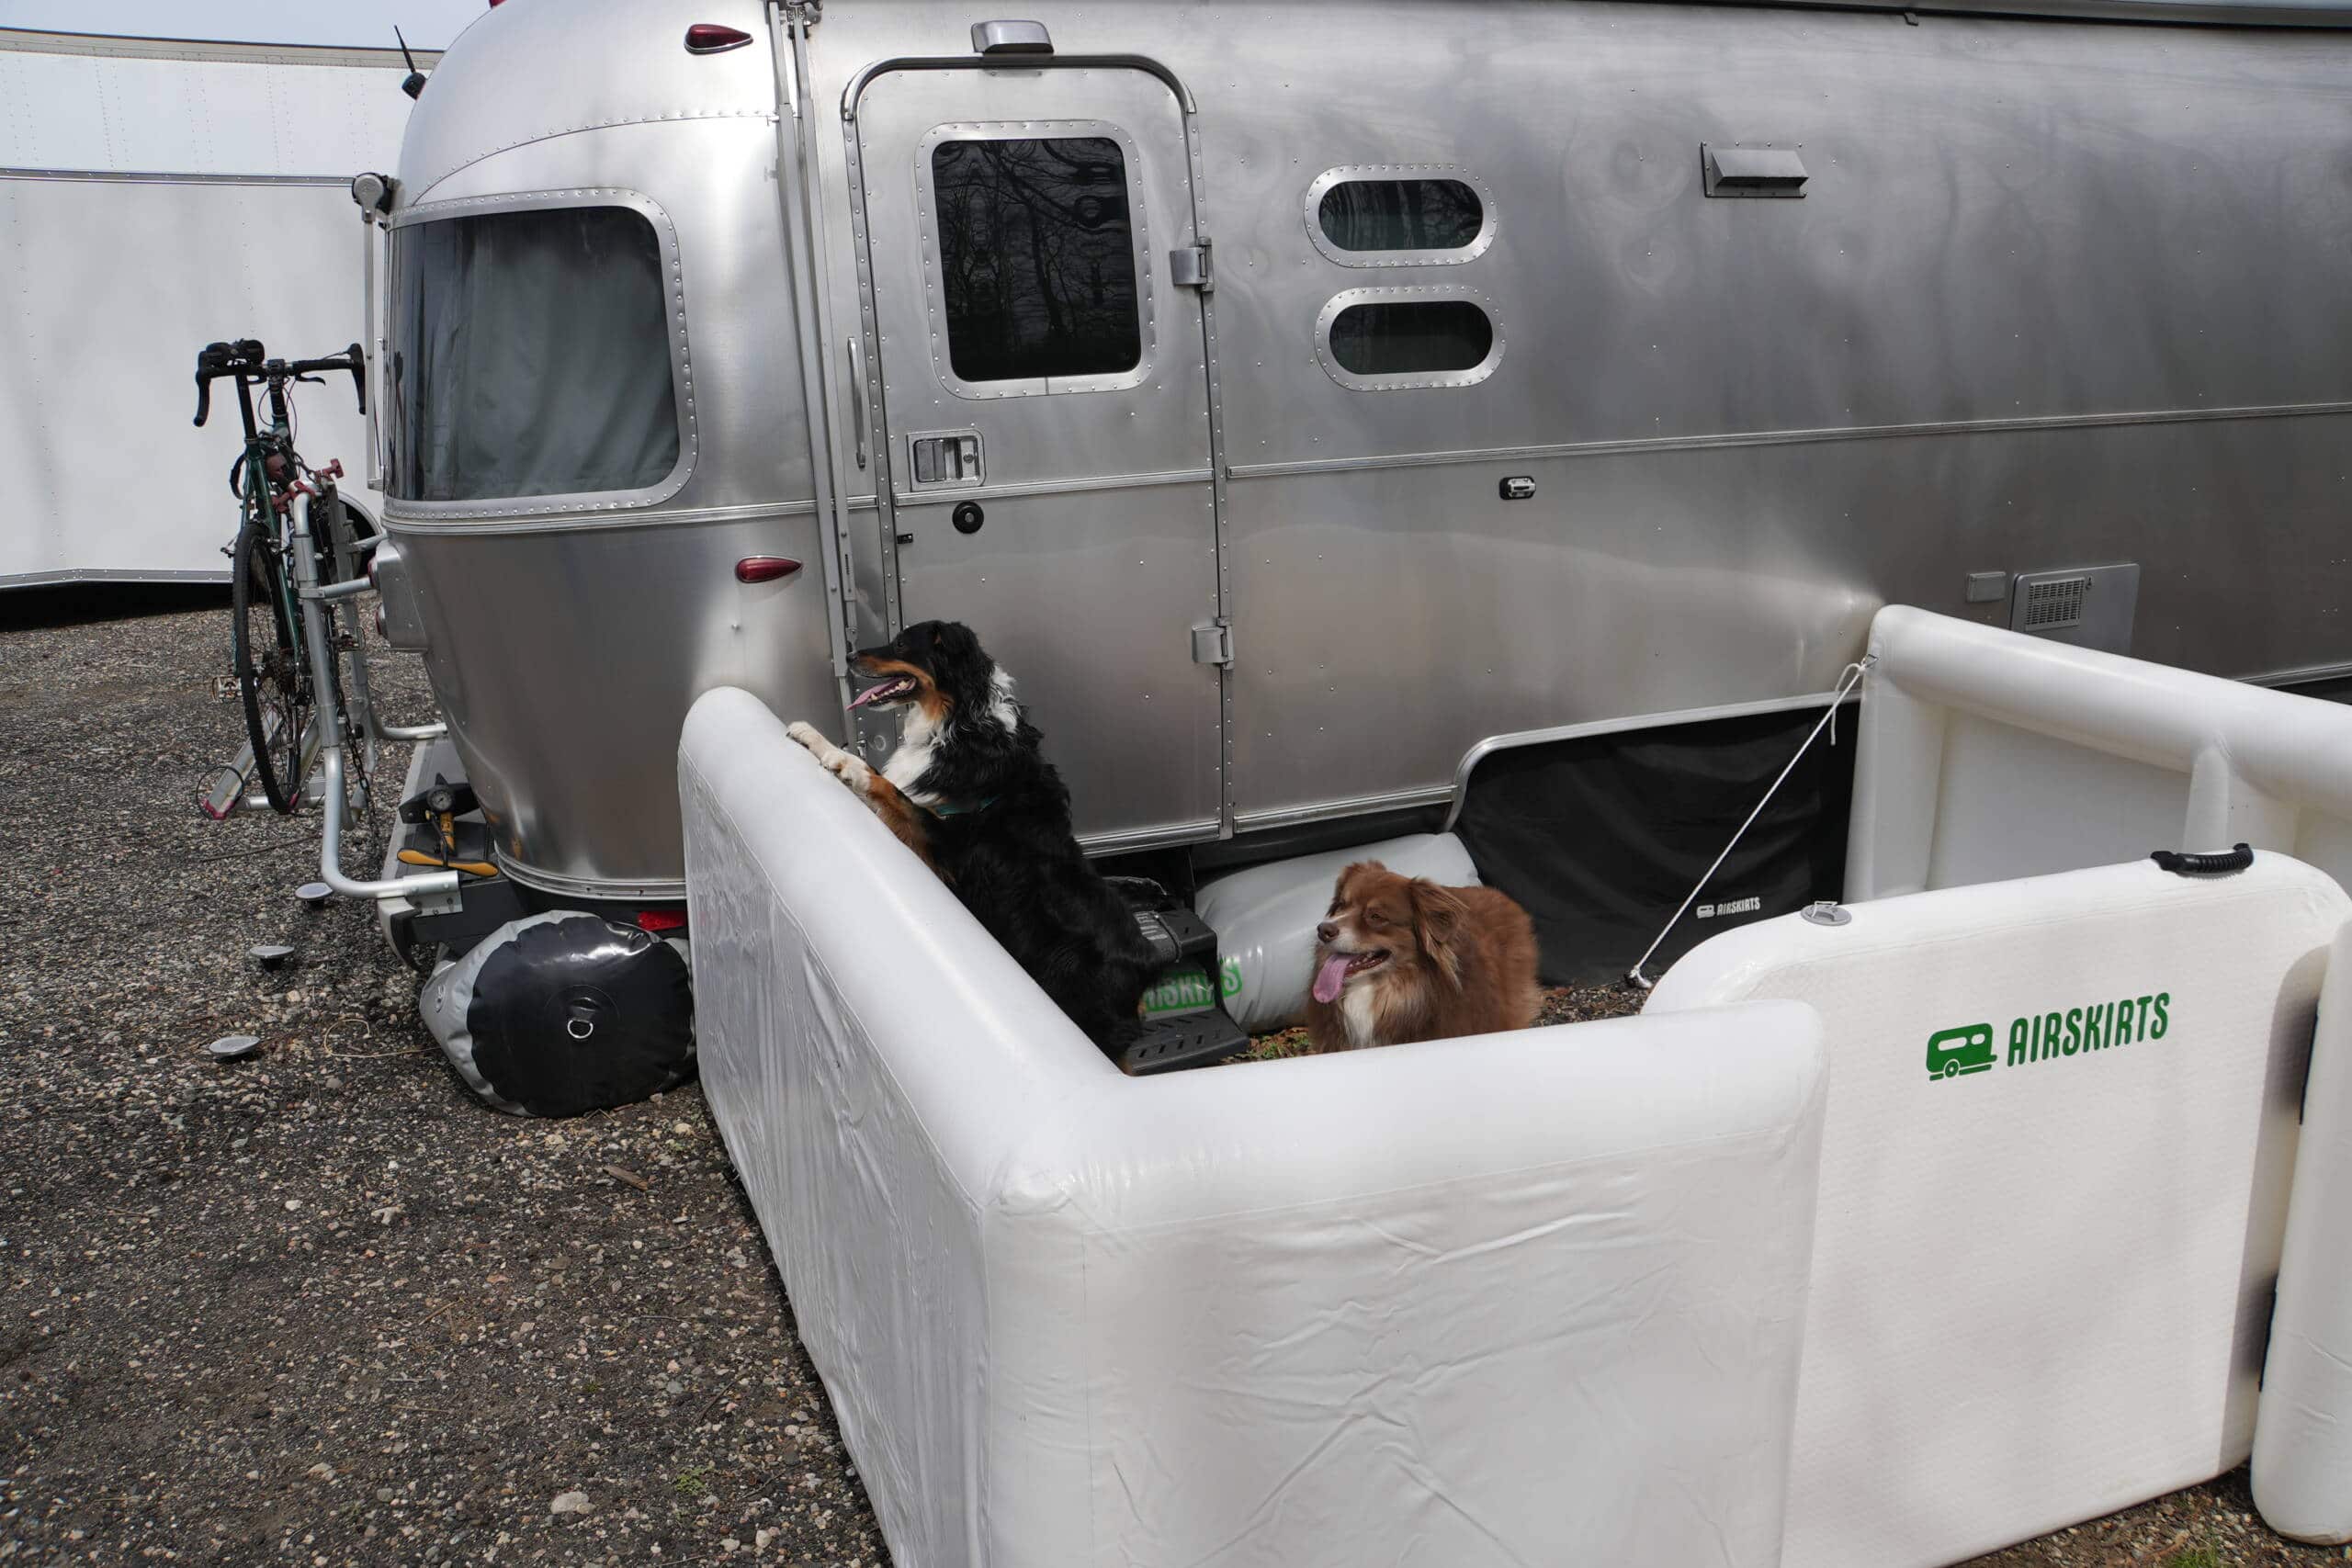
point(582, 1015)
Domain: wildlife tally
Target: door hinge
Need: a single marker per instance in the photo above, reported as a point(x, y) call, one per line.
point(1191, 266)
point(1213, 643)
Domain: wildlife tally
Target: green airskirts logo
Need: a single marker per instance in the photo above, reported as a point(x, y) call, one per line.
point(2050, 1036)
point(1188, 990)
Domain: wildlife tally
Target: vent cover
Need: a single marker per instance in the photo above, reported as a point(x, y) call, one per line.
point(2054, 601)
point(2090, 607)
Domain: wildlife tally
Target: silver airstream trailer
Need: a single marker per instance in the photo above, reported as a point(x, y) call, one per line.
point(1309, 401)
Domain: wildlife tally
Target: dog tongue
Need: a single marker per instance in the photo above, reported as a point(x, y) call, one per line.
point(1331, 978)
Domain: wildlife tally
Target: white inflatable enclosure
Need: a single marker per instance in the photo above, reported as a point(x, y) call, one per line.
point(2302, 1435)
point(2010, 1155)
point(1984, 754)
point(1520, 1298)
point(2054, 1179)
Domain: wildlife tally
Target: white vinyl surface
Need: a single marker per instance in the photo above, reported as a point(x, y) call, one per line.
point(1520, 1298)
point(2302, 1434)
point(2040, 1286)
point(1987, 754)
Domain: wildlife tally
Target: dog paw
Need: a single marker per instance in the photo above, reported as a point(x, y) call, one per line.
point(805, 733)
point(850, 771)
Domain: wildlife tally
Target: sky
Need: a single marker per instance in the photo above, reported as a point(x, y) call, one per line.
point(429, 24)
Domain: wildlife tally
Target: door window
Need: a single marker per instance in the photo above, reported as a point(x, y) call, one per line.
point(1038, 274)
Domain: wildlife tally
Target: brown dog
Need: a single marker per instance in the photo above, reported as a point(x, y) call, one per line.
point(1400, 958)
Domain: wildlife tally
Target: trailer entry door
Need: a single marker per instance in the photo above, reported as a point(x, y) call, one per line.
point(1045, 414)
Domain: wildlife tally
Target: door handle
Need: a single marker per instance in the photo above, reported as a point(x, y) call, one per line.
point(857, 396)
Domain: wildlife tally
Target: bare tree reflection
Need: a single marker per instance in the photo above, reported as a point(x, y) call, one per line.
point(1036, 256)
point(1400, 215)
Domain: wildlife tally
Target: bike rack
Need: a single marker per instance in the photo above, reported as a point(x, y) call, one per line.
point(323, 765)
point(425, 888)
point(227, 793)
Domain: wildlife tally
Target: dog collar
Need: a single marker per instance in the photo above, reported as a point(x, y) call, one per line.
point(962, 808)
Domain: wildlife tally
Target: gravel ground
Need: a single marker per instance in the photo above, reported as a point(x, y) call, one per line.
point(319, 1307)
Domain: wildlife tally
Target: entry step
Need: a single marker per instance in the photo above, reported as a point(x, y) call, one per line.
point(1190, 1040)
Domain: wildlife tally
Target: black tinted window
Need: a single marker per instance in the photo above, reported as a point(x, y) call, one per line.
point(1411, 337)
point(530, 355)
point(1037, 256)
point(1400, 215)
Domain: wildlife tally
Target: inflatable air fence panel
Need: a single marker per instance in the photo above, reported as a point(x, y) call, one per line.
point(1265, 917)
point(1523, 1298)
point(1988, 754)
point(2302, 1433)
point(2055, 1174)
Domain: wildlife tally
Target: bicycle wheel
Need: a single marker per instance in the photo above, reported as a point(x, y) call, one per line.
point(268, 668)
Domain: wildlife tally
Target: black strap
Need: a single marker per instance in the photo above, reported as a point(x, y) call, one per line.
point(2217, 863)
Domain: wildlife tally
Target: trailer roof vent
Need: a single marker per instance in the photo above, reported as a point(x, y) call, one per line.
point(2053, 601)
point(1011, 38)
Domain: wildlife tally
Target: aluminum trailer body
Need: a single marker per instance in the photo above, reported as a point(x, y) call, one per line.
point(156, 194)
point(1299, 397)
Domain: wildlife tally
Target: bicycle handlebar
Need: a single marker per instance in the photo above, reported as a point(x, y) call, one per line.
point(242, 360)
point(218, 359)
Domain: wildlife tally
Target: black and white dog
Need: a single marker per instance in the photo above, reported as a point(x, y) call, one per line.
point(970, 791)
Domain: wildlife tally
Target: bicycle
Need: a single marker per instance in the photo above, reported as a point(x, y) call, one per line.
point(270, 644)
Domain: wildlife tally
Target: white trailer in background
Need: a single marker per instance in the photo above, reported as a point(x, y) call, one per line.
point(156, 194)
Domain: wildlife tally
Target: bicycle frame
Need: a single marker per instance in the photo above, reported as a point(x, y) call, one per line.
point(261, 497)
point(266, 499)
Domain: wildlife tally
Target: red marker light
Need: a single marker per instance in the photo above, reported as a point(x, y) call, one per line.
point(661, 920)
point(764, 568)
point(711, 38)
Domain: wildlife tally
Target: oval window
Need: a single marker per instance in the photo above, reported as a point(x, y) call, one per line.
point(1411, 337)
point(1401, 215)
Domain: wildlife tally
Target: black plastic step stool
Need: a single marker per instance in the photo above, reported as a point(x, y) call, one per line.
point(1179, 939)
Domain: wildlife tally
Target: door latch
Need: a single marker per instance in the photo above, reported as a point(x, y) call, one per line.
point(1213, 644)
point(1190, 267)
point(950, 458)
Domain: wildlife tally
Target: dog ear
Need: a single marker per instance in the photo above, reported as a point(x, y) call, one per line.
point(1437, 920)
point(961, 666)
